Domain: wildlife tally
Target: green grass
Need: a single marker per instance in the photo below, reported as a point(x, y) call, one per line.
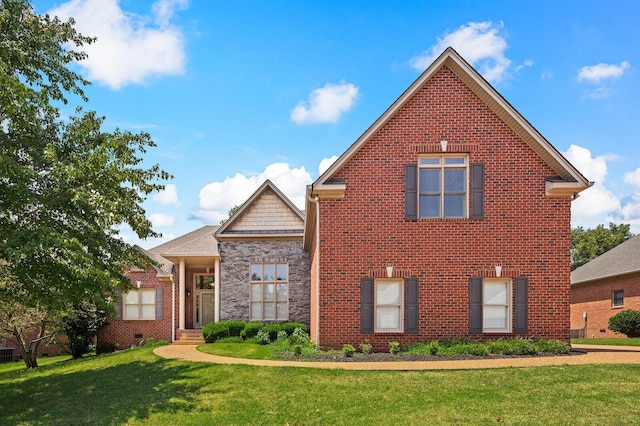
point(634, 341)
point(135, 387)
point(240, 350)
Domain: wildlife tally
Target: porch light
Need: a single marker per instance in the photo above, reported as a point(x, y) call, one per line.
point(443, 145)
point(188, 292)
point(498, 270)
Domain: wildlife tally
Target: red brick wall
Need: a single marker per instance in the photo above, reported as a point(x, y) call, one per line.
point(595, 299)
point(525, 231)
point(124, 331)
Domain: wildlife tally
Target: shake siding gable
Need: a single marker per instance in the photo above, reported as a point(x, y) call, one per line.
point(374, 225)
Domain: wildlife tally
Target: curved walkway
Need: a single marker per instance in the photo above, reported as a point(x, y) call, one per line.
point(594, 355)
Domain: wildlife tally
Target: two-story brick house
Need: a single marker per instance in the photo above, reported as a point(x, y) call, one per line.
point(449, 217)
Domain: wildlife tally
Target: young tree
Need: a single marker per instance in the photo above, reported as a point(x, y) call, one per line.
point(65, 186)
point(591, 243)
point(81, 326)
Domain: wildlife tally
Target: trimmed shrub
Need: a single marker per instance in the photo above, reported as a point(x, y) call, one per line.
point(290, 327)
point(477, 349)
point(281, 336)
point(365, 348)
point(214, 331)
point(235, 327)
point(626, 322)
point(273, 329)
point(251, 329)
point(394, 348)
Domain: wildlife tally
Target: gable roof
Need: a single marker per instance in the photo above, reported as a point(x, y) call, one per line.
point(623, 259)
point(165, 268)
point(267, 213)
point(569, 181)
point(572, 181)
point(200, 242)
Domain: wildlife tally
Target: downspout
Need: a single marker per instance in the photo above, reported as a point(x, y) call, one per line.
point(316, 201)
point(173, 309)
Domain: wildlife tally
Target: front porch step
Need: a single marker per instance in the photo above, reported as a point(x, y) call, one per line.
point(189, 337)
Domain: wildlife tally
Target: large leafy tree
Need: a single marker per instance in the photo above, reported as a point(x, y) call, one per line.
point(587, 244)
point(65, 185)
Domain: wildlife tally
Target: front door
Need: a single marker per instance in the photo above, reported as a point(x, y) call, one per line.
point(204, 309)
point(203, 300)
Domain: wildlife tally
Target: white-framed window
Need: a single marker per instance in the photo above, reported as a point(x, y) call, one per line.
point(496, 306)
point(443, 186)
point(389, 306)
point(617, 298)
point(140, 304)
point(269, 292)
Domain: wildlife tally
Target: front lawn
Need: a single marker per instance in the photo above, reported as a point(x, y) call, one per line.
point(136, 387)
point(626, 341)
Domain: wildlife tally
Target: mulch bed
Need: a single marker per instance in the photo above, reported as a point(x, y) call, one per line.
point(387, 357)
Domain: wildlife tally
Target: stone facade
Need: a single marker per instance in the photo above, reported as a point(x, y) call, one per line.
point(237, 255)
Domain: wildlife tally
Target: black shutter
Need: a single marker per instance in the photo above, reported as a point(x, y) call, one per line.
point(117, 314)
point(475, 305)
point(411, 305)
point(159, 303)
point(411, 191)
point(366, 305)
point(477, 191)
point(522, 305)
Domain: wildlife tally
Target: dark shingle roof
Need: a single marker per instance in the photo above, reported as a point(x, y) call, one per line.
point(620, 260)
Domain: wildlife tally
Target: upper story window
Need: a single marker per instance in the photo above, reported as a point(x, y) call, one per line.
point(443, 186)
point(617, 298)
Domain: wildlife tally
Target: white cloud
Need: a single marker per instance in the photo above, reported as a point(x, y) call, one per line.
point(326, 163)
point(168, 196)
point(597, 73)
point(217, 198)
point(596, 203)
point(129, 49)
point(326, 104)
point(630, 211)
point(161, 220)
point(480, 43)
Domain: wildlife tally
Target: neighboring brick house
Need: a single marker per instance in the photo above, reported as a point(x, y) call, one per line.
point(251, 268)
point(603, 287)
point(449, 217)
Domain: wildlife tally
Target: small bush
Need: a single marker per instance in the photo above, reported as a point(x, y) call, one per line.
point(263, 337)
point(281, 336)
point(106, 348)
point(348, 350)
point(365, 348)
point(394, 348)
point(235, 327)
point(251, 329)
point(477, 349)
point(297, 350)
point(300, 337)
point(290, 327)
point(626, 322)
point(552, 346)
point(272, 330)
point(214, 331)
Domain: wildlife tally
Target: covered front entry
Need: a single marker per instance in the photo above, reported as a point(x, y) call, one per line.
point(203, 300)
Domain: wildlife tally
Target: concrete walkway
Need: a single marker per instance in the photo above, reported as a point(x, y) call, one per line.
point(594, 355)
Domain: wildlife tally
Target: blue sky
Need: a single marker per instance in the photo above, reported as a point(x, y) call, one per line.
point(237, 92)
